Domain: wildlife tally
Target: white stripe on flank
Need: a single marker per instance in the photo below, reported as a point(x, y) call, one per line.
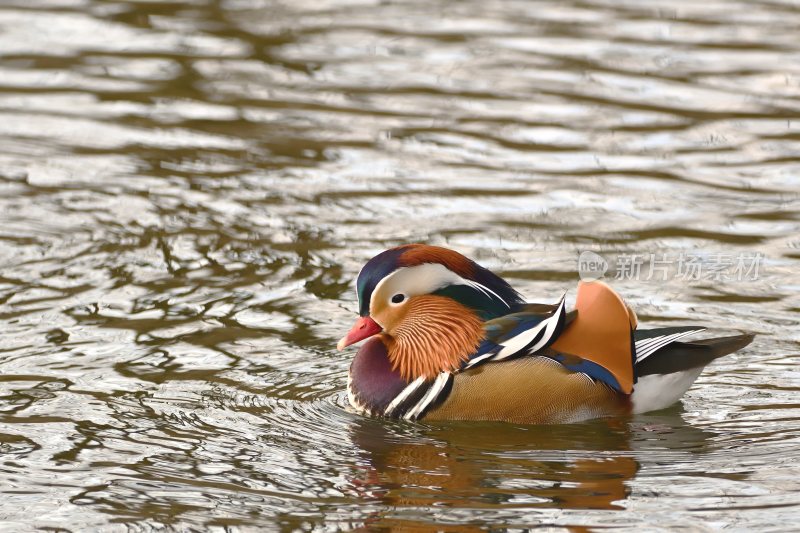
point(430, 396)
point(405, 393)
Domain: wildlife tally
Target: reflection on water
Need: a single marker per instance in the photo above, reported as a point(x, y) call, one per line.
point(187, 190)
point(530, 464)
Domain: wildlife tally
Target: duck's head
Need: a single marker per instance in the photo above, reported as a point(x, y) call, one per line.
point(428, 304)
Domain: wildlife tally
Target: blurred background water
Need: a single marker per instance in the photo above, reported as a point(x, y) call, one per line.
point(189, 188)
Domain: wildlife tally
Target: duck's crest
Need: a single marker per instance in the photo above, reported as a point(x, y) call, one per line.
point(410, 255)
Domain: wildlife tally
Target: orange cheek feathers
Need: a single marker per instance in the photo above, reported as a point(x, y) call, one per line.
point(435, 334)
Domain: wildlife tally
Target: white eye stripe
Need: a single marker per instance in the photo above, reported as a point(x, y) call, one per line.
point(424, 279)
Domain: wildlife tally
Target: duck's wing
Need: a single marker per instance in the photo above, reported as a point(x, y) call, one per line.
point(678, 356)
point(600, 342)
point(530, 329)
point(595, 339)
point(649, 341)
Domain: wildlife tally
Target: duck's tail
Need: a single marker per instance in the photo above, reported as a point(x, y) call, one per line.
point(666, 373)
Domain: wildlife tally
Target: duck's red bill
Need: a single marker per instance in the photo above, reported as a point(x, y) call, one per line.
point(363, 328)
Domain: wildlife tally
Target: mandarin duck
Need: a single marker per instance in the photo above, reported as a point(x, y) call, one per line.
point(447, 339)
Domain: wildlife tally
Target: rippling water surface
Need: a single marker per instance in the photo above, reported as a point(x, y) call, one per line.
point(189, 189)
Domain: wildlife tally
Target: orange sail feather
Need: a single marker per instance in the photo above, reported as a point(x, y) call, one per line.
point(601, 332)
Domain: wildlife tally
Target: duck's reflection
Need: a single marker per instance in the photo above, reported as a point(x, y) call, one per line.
point(469, 465)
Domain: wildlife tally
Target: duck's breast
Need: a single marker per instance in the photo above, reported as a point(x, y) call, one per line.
point(372, 382)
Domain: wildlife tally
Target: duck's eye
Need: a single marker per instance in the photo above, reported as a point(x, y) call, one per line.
point(398, 298)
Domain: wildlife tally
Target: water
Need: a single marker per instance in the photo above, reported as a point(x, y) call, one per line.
point(189, 189)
